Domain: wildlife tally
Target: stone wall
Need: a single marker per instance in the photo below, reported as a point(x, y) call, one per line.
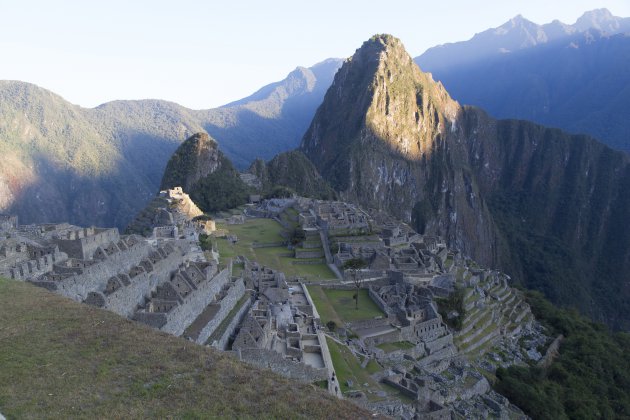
point(34, 268)
point(309, 299)
point(180, 317)
point(439, 343)
point(269, 359)
point(423, 330)
point(379, 301)
point(94, 278)
point(84, 247)
point(125, 300)
point(389, 337)
point(234, 294)
point(222, 343)
point(369, 323)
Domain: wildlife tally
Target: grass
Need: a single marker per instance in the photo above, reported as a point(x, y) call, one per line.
point(338, 305)
point(267, 231)
point(347, 366)
point(398, 345)
point(344, 304)
point(256, 230)
point(373, 367)
point(63, 359)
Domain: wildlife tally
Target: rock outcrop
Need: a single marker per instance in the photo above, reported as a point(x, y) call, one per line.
point(195, 159)
point(204, 172)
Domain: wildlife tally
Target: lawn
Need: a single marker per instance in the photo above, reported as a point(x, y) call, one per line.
point(64, 359)
point(338, 305)
point(344, 304)
point(256, 230)
point(267, 231)
point(347, 366)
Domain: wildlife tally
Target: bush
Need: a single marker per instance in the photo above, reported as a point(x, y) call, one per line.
point(589, 379)
point(355, 264)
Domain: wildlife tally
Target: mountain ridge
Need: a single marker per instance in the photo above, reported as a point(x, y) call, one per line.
point(100, 166)
point(579, 83)
point(516, 34)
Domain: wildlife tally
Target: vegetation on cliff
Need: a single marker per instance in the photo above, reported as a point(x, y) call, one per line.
point(589, 378)
point(221, 190)
point(206, 174)
point(291, 172)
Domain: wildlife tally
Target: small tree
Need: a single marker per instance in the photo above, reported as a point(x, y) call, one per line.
point(357, 280)
point(297, 235)
point(353, 265)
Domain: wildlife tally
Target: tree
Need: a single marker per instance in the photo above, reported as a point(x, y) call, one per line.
point(353, 265)
point(357, 280)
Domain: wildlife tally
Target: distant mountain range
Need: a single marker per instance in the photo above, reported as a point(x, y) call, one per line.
point(548, 208)
point(515, 35)
point(575, 77)
point(101, 166)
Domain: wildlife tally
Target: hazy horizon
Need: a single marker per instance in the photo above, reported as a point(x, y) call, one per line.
point(201, 55)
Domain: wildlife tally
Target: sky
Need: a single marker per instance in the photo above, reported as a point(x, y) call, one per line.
point(203, 54)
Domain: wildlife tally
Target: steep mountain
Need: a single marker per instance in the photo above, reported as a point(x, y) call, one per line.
point(516, 34)
point(146, 132)
point(273, 119)
point(194, 159)
point(545, 206)
point(57, 166)
point(580, 83)
point(292, 170)
point(101, 166)
point(206, 174)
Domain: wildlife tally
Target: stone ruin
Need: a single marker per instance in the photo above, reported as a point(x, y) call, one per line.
point(281, 331)
point(166, 284)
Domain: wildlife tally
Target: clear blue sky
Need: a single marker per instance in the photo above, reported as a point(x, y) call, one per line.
point(203, 54)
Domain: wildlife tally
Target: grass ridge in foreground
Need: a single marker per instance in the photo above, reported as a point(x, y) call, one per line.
point(63, 359)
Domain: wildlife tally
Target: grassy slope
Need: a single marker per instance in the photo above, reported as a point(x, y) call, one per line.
point(63, 359)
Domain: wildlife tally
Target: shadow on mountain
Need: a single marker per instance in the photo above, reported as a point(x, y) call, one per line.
point(62, 195)
point(252, 135)
point(579, 83)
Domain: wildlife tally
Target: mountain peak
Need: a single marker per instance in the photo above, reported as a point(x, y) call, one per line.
point(600, 19)
point(372, 49)
point(379, 99)
point(194, 159)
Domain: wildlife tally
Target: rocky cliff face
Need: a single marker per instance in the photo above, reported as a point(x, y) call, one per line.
point(195, 159)
point(203, 171)
point(536, 202)
point(381, 137)
point(294, 171)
